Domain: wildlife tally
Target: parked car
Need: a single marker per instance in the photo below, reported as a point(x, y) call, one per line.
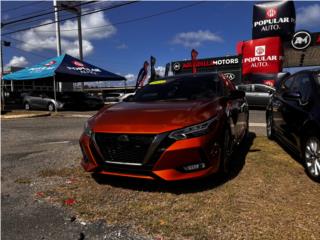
point(66, 100)
point(293, 116)
point(177, 128)
point(112, 98)
point(258, 95)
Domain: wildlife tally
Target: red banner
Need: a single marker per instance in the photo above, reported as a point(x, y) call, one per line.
point(264, 55)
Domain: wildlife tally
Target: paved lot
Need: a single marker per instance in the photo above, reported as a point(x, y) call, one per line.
point(33, 145)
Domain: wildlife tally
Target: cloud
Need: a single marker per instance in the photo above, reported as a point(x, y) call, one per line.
point(160, 70)
point(17, 61)
point(195, 39)
point(43, 38)
point(122, 46)
point(131, 79)
point(308, 16)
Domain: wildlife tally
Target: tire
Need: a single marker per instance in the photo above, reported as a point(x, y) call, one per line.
point(311, 157)
point(270, 130)
point(51, 107)
point(27, 106)
point(224, 167)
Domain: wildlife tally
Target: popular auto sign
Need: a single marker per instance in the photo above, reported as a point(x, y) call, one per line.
point(81, 68)
point(261, 55)
point(273, 19)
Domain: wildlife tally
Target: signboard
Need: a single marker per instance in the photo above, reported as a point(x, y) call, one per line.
point(273, 19)
point(230, 66)
point(263, 55)
point(302, 50)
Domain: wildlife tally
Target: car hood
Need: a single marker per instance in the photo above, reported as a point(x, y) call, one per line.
point(152, 117)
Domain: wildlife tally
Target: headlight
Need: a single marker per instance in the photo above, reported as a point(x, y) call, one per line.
point(192, 131)
point(87, 130)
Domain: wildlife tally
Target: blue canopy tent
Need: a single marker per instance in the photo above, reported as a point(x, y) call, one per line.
point(64, 68)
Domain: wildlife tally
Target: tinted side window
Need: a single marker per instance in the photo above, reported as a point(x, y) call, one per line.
point(287, 83)
point(304, 86)
point(261, 89)
point(245, 88)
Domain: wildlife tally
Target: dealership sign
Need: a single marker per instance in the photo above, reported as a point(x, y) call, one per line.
point(230, 66)
point(273, 19)
point(301, 40)
point(261, 55)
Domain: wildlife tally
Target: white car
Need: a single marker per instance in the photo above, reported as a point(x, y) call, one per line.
point(112, 98)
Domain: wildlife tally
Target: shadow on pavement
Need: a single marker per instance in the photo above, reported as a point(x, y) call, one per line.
point(187, 186)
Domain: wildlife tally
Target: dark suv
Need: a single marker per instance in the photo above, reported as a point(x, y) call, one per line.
point(293, 115)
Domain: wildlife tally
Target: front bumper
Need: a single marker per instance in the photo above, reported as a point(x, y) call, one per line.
point(201, 154)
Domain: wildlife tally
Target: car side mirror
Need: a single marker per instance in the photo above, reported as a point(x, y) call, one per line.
point(291, 96)
point(236, 94)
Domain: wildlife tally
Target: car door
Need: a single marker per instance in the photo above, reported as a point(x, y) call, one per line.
point(278, 104)
point(262, 95)
point(35, 100)
point(44, 100)
point(295, 111)
point(238, 111)
point(247, 88)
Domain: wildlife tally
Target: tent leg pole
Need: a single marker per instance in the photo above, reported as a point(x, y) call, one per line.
point(55, 93)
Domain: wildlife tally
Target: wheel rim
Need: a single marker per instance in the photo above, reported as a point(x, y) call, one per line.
point(26, 106)
point(269, 129)
point(312, 156)
point(51, 108)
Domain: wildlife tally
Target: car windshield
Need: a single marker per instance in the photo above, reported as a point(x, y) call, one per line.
point(181, 88)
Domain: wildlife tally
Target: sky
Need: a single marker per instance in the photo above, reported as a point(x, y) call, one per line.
point(130, 34)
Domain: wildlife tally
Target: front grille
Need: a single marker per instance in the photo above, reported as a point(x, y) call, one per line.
point(124, 148)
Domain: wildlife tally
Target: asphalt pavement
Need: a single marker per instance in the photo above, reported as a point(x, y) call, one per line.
point(34, 144)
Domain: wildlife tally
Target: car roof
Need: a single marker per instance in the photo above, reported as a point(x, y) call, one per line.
point(187, 75)
point(312, 70)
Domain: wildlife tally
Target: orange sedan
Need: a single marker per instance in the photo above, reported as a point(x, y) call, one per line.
point(175, 128)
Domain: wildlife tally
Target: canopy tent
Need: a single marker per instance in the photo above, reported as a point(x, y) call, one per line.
point(64, 68)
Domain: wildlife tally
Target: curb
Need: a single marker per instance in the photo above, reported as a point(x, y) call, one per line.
point(31, 115)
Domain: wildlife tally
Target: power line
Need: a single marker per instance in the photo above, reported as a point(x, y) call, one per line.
point(45, 18)
point(15, 39)
point(42, 14)
point(134, 19)
point(45, 24)
point(37, 55)
point(22, 6)
point(130, 20)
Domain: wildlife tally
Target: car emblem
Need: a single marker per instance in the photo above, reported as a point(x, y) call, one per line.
point(230, 76)
point(301, 40)
point(123, 138)
point(176, 66)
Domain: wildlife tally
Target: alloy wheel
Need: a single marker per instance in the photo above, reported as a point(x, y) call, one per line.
point(51, 107)
point(312, 157)
point(269, 127)
point(27, 106)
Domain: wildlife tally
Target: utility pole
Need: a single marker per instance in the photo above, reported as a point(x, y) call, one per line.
point(80, 40)
point(75, 8)
point(58, 37)
point(2, 82)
